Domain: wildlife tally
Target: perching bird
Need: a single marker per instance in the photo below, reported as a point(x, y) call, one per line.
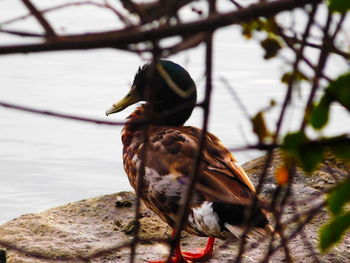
point(223, 194)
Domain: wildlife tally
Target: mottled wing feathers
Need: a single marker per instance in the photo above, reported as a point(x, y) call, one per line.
point(226, 159)
point(173, 150)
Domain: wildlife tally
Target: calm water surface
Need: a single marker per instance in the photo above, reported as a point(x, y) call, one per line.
point(46, 162)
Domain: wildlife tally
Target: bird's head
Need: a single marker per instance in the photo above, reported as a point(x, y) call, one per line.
point(167, 87)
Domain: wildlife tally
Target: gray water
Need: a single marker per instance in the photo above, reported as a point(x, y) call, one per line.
point(46, 162)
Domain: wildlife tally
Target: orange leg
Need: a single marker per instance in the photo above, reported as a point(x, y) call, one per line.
point(184, 257)
point(203, 254)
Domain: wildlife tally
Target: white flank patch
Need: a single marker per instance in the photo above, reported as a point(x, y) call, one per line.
point(151, 172)
point(205, 219)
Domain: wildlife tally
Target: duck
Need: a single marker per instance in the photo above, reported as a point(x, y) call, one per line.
point(158, 145)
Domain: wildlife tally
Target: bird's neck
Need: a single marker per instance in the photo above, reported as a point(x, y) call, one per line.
point(154, 115)
point(160, 115)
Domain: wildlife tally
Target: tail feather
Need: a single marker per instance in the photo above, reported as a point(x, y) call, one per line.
point(237, 231)
point(237, 215)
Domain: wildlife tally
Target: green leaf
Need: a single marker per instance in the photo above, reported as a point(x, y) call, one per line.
point(340, 146)
point(298, 76)
point(319, 115)
point(338, 197)
point(339, 5)
point(342, 150)
point(339, 89)
point(248, 28)
point(293, 141)
point(332, 232)
point(310, 156)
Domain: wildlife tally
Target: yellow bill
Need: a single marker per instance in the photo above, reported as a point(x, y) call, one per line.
point(131, 98)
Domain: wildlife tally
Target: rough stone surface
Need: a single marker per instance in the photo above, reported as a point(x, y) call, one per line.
point(71, 232)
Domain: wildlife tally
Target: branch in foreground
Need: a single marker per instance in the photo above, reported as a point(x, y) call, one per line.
point(122, 38)
point(124, 19)
point(21, 33)
point(80, 118)
point(86, 258)
point(49, 30)
point(59, 115)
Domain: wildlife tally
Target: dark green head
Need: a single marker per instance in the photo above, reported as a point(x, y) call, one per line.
point(167, 87)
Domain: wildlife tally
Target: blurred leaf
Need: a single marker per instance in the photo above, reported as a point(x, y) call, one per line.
point(249, 27)
point(293, 141)
point(339, 90)
point(340, 145)
point(319, 115)
point(339, 5)
point(342, 150)
point(282, 175)
point(273, 103)
point(271, 47)
point(338, 197)
point(310, 154)
point(247, 30)
point(299, 76)
point(332, 232)
point(259, 126)
point(271, 26)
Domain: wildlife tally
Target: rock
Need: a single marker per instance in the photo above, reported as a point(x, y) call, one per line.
point(74, 232)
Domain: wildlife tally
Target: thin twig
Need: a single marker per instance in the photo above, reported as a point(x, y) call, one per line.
point(85, 258)
point(254, 205)
point(331, 48)
point(84, 119)
point(339, 25)
point(268, 160)
point(143, 159)
point(290, 44)
point(122, 38)
point(236, 97)
point(238, 5)
point(310, 215)
point(21, 33)
point(45, 24)
point(278, 213)
point(318, 72)
point(302, 232)
point(299, 55)
point(183, 213)
point(124, 19)
point(58, 115)
point(258, 146)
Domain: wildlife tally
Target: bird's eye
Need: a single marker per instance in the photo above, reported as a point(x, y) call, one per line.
point(128, 95)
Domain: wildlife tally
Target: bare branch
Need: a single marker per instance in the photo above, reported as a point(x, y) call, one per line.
point(124, 19)
point(22, 33)
point(49, 30)
point(318, 72)
point(183, 213)
point(58, 115)
point(122, 38)
point(299, 55)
